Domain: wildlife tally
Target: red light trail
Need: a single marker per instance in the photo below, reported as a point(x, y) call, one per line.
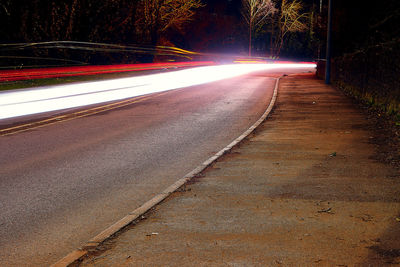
point(42, 73)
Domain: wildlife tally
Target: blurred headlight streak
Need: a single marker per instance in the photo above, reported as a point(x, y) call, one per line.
point(38, 100)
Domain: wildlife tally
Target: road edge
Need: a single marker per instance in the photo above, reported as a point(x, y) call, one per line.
point(93, 243)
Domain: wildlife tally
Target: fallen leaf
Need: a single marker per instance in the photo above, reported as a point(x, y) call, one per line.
point(328, 210)
point(151, 234)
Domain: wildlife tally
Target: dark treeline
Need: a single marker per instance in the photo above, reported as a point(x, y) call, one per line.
point(128, 22)
point(366, 52)
point(206, 26)
point(359, 24)
point(199, 25)
point(83, 20)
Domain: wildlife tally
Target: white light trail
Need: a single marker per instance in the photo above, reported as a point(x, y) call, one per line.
point(38, 100)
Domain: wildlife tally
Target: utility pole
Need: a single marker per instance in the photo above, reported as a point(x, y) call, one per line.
point(329, 45)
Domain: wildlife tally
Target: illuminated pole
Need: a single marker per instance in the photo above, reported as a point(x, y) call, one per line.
point(329, 45)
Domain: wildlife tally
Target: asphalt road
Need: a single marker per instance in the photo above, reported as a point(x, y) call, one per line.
point(64, 183)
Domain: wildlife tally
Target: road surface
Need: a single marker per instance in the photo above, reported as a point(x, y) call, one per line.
point(63, 183)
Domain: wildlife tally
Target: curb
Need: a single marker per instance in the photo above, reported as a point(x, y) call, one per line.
point(79, 254)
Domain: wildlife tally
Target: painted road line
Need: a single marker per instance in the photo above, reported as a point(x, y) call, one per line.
point(80, 114)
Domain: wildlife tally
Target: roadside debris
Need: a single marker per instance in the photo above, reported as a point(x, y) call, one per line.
point(328, 210)
point(152, 234)
point(367, 218)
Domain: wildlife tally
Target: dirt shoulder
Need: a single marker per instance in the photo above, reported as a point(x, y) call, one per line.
point(306, 189)
point(385, 134)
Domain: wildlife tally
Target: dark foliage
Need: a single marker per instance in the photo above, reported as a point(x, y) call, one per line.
point(359, 24)
point(366, 47)
point(83, 20)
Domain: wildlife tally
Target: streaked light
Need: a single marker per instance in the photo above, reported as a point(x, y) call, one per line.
point(42, 73)
point(38, 100)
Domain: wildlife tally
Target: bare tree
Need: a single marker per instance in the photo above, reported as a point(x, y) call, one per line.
point(175, 14)
point(290, 19)
point(158, 16)
point(4, 7)
point(255, 13)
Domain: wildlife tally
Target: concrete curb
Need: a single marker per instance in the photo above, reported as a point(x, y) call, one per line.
point(75, 256)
